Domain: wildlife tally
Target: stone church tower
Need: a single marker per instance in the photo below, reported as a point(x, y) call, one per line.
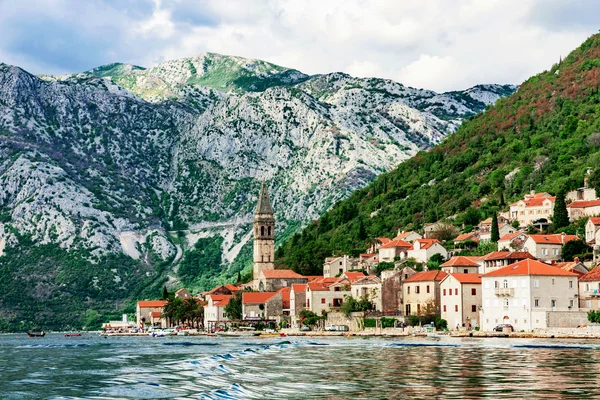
point(264, 234)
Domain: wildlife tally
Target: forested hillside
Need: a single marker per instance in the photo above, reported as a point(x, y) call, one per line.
point(544, 136)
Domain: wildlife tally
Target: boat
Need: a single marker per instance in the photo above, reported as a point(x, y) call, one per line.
point(183, 333)
point(72, 334)
point(267, 335)
point(36, 334)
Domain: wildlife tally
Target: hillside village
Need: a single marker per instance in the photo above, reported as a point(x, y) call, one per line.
point(524, 280)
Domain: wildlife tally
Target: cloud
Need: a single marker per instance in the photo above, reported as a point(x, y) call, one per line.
point(435, 44)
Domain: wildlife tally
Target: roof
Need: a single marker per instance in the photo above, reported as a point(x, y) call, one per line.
point(220, 300)
point(299, 287)
point(427, 243)
point(353, 276)
point(474, 258)
point(231, 287)
point(311, 278)
point(467, 278)
point(366, 280)
point(553, 239)
point(383, 240)
point(459, 261)
point(593, 275)
point(536, 201)
point(434, 275)
point(264, 204)
point(151, 303)
point(257, 297)
point(322, 284)
point(280, 274)
point(466, 236)
point(511, 236)
point(570, 266)
point(508, 255)
point(285, 296)
point(584, 203)
point(155, 314)
point(404, 235)
point(530, 267)
point(395, 243)
point(595, 220)
point(181, 290)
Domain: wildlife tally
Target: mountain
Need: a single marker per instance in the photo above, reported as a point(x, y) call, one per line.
point(544, 136)
point(118, 180)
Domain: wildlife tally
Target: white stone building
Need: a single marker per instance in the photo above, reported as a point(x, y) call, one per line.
point(533, 206)
point(461, 300)
point(547, 247)
point(369, 286)
point(423, 249)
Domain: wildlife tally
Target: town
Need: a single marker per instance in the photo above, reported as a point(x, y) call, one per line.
point(525, 283)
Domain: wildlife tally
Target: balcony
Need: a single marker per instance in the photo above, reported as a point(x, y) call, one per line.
point(504, 292)
point(591, 293)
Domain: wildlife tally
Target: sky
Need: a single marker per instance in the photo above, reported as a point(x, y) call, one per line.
point(434, 44)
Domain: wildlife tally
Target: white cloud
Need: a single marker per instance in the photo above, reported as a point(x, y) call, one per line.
point(435, 44)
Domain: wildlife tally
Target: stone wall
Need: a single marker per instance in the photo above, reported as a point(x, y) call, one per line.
point(566, 319)
point(354, 322)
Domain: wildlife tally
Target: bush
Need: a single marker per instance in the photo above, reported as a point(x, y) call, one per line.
point(594, 316)
point(370, 322)
point(413, 320)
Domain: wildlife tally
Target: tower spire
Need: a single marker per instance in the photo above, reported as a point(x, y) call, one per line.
point(264, 204)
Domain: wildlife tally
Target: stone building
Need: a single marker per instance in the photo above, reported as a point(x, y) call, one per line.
point(369, 286)
point(262, 305)
point(421, 291)
point(271, 280)
point(264, 235)
point(391, 288)
point(589, 290)
point(460, 265)
point(547, 247)
point(150, 312)
point(461, 300)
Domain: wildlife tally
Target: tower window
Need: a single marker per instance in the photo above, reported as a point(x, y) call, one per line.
point(269, 231)
point(262, 231)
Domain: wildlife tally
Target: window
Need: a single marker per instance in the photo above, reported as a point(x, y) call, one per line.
point(473, 308)
point(505, 284)
point(427, 288)
point(571, 303)
point(473, 292)
point(418, 289)
point(450, 292)
point(408, 289)
point(456, 292)
point(570, 284)
point(553, 281)
point(444, 308)
point(555, 252)
point(536, 283)
point(456, 307)
point(505, 303)
point(496, 284)
point(587, 287)
point(524, 283)
point(323, 300)
point(418, 309)
point(269, 231)
point(466, 271)
point(553, 303)
point(262, 231)
point(444, 292)
point(308, 303)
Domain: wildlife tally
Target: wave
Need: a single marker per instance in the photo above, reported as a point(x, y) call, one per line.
point(188, 344)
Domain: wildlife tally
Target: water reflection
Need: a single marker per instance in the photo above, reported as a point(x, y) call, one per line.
point(56, 367)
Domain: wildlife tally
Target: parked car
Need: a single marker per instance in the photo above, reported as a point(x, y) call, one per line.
point(331, 328)
point(501, 327)
point(305, 328)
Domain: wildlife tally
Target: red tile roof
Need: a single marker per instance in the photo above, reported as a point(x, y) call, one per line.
point(460, 261)
point(383, 240)
point(553, 239)
point(466, 236)
point(285, 297)
point(427, 243)
point(151, 303)
point(396, 243)
point(467, 278)
point(511, 236)
point(311, 278)
point(530, 267)
point(584, 204)
point(220, 300)
point(353, 276)
point(281, 274)
point(593, 275)
point(595, 220)
point(257, 297)
point(299, 287)
point(427, 276)
point(404, 235)
point(508, 255)
point(231, 287)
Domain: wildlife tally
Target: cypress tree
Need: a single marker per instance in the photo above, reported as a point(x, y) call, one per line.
point(561, 216)
point(239, 277)
point(495, 236)
point(165, 294)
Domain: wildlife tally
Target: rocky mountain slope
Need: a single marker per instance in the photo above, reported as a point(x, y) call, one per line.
point(545, 136)
point(162, 166)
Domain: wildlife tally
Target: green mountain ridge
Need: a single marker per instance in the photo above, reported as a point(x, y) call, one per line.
point(544, 136)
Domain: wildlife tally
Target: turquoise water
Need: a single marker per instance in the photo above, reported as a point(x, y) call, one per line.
point(92, 367)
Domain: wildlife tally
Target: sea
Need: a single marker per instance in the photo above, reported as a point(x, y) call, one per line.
point(94, 367)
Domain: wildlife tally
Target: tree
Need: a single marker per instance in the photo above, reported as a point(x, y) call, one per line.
point(383, 266)
point(351, 304)
point(575, 248)
point(561, 216)
point(445, 231)
point(239, 276)
point(233, 309)
point(472, 216)
point(594, 180)
point(165, 293)
point(495, 235)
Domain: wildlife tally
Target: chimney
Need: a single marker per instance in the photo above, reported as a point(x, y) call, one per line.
point(576, 260)
point(562, 237)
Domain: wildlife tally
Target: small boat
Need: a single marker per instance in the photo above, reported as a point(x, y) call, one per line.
point(267, 335)
point(72, 334)
point(183, 333)
point(36, 334)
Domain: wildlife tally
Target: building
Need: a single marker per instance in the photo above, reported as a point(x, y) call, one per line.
point(421, 293)
point(503, 229)
point(512, 241)
point(335, 266)
point(393, 250)
point(214, 311)
point(409, 236)
point(391, 288)
point(467, 237)
point(575, 266)
point(592, 227)
point(523, 293)
point(326, 294)
point(264, 235)
point(430, 229)
point(461, 300)
point(460, 265)
point(149, 312)
point(183, 294)
point(498, 259)
point(583, 208)
point(534, 206)
point(271, 280)
point(423, 249)
point(369, 286)
point(297, 303)
point(262, 306)
point(228, 289)
point(547, 247)
point(589, 290)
